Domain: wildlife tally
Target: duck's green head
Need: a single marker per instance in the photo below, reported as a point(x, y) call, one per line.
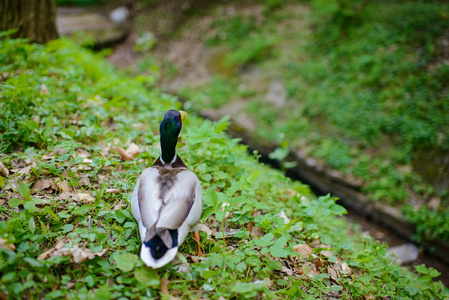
point(169, 130)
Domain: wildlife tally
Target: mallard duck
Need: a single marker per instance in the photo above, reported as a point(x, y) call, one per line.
point(167, 199)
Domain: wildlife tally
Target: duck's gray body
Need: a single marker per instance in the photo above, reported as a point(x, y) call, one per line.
point(167, 205)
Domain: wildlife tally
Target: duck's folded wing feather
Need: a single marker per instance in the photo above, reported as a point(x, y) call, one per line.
point(176, 206)
point(148, 197)
point(165, 198)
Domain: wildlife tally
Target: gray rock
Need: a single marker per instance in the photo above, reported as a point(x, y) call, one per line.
point(405, 253)
point(119, 15)
point(277, 94)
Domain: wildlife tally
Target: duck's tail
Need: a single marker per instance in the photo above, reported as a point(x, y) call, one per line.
point(160, 249)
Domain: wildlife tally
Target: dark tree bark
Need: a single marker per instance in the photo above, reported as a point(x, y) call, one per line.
point(34, 19)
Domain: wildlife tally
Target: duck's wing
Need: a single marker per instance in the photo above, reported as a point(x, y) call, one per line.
point(165, 197)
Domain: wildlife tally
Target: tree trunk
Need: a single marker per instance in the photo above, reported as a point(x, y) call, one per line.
point(34, 19)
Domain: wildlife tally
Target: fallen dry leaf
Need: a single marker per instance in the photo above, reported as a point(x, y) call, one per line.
point(3, 170)
point(4, 245)
point(85, 198)
point(206, 229)
point(41, 184)
point(284, 217)
point(256, 231)
point(303, 249)
point(268, 281)
point(12, 185)
point(287, 271)
point(326, 253)
point(83, 153)
point(44, 90)
point(119, 205)
point(71, 284)
point(113, 191)
point(334, 274)
point(197, 258)
point(133, 150)
point(123, 154)
point(87, 161)
point(36, 119)
point(63, 186)
point(290, 193)
point(434, 203)
point(65, 196)
point(25, 170)
point(309, 270)
point(3, 296)
point(180, 266)
point(345, 268)
point(164, 285)
point(83, 179)
point(77, 254)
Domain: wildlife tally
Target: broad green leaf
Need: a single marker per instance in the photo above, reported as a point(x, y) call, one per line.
point(14, 202)
point(33, 262)
point(277, 250)
point(332, 259)
point(207, 212)
point(67, 228)
point(43, 228)
point(336, 288)
point(24, 190)
point(209, 274)
point(338, 210)
point(206, 177)
point(434, 273)
point(235, 187)
point(240, 267)
point(241, 234)
point(211, 197)
point(243, 288)
point(126, 261)
point(421, 269)
point(120, 216)
point(130, 225)
point(282, 282)
point(264, 251)
point(32, 225)
point(89, 280)
point(279, 153)
point(181, 257)
point(220, 215)
point(8, 277)
point(147, 276)
point(412, 290)
point(50, 212)
point(265, 241)
point(82, 209)
point(220, 234)
point(29, 205)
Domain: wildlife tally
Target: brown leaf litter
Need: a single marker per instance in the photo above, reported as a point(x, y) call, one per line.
point(3, 170)
point(77, 254)
point(132, 151)
point(5, 245)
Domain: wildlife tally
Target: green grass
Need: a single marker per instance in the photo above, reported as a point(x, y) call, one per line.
point(65, 131)
point(366, 86)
